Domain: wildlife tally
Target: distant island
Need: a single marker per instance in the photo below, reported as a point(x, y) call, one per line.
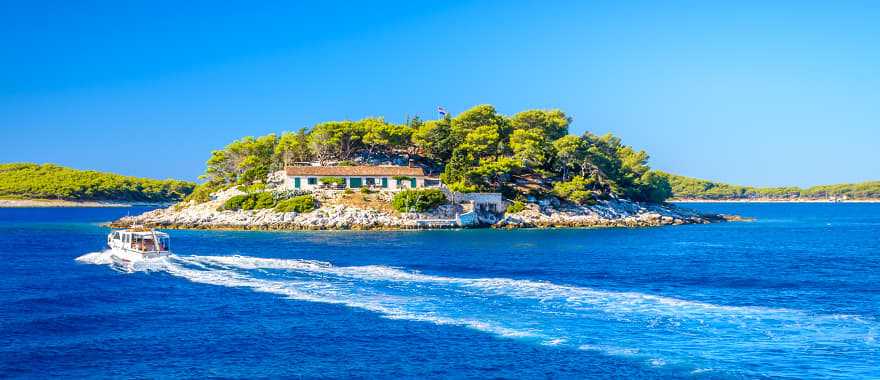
point(479, 168)
point(692, 189)
point(47, 185)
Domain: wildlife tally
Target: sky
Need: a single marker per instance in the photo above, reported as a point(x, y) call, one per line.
point(746, 92)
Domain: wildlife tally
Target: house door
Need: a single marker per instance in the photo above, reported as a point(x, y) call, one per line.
point(412, 183)
point(296, 182)
point(384, 182)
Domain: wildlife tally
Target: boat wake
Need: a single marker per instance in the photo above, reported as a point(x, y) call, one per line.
point(659, 331)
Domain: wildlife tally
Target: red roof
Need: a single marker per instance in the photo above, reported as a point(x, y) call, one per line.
point(354, 171)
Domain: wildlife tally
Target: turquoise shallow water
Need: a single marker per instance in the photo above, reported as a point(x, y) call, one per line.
point(794, 294)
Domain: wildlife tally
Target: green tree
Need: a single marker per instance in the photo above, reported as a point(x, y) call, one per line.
point(553, 123)
point(379, 135)
point(484, 141)
point(336, 139)
point(576, 191)
point(434, 139)
point(567, 149)
point(530, 146)
point(483, 115)
point(294, 147)
point(654, 187)
point(492, 174)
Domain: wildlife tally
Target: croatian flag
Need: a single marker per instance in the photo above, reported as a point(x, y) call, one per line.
point(441, 110)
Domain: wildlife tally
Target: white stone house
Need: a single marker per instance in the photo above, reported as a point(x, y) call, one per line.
point(385, 177)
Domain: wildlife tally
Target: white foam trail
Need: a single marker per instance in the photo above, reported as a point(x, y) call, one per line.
point(98, 258)
point(623, 302)
point(658, 330)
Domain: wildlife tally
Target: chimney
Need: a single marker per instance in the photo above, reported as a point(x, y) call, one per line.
point(411, 163)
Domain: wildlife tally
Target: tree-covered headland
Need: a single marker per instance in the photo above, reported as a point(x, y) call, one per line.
point(529, 153)
point(692, 188)
point(48, 181)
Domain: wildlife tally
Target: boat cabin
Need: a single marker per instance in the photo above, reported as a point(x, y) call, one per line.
point(140, 240)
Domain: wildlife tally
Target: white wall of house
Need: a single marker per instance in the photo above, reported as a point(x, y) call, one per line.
point(314, 182)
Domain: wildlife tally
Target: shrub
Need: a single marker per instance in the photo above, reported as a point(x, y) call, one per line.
point(257, 187)
point(301, 204)
point(515, 207)
point(462, 187)
point(234, 203)
point(202, 193)
point(348, 191)
point(253, 201)
point(287, 194)
point(338, 181)
point(418, 200)
point(365, 190)
point(575, 191)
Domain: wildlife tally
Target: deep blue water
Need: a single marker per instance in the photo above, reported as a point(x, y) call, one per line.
point(795, 294)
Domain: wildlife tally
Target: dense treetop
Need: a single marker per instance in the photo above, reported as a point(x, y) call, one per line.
point(692, 188)
point(477, 150)
point(48, 181)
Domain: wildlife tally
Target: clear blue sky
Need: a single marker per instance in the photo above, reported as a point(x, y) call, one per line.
point(762, 93)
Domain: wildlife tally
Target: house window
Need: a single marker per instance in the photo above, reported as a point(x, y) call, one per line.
point(312, 181)
point(355, 182)
point(371, 182)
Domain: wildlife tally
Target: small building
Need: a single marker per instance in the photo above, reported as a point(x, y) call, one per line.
point(386, 177)
point(483, 202)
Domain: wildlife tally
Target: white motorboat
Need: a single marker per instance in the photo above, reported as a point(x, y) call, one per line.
point(137, 244)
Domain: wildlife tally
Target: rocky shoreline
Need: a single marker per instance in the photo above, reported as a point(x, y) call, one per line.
point(608, 213)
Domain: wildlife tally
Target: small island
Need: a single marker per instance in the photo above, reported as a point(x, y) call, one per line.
point(48, 185)
point(480, 168)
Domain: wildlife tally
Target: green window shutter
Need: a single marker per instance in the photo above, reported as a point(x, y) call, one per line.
point(313, 181)
point(412, 183)
point(354, 182)
point(384, 182)
point(296, 182)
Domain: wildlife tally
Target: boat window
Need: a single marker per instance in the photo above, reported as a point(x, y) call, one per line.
point(164, 244)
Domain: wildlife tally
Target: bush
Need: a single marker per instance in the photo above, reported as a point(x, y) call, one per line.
point(462, 187)
point(252, 201)
point(301, 204)
point(233, 203)
point(287, 194)
point(202, 193)
point(418, 200)
point(365, 190)
point(257, 187)
point(575, 191)
point(338, 181)
point(515, 207)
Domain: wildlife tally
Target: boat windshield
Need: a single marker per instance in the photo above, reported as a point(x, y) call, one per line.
point(150, 243)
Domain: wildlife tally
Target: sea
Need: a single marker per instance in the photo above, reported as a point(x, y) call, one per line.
point(794, 294)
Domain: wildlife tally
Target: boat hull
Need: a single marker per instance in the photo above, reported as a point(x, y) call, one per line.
point(128, 258)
